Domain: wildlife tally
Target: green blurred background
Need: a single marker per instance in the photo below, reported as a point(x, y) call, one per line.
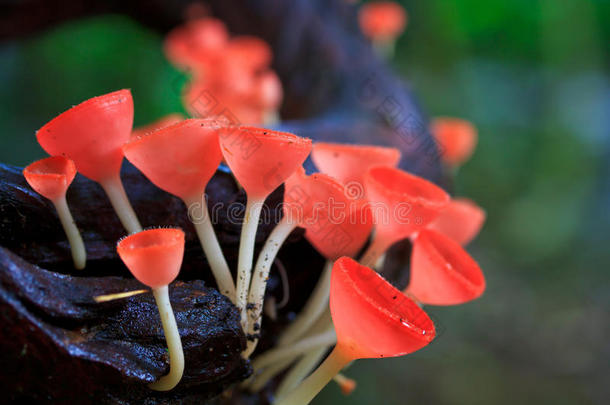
point(534, 76)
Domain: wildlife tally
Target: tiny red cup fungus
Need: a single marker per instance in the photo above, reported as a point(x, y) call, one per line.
point(181, 159)
point(372, 319)
point(457, 139)
point(154, 257)
point(162, 122)
point(261, 160)
point(442, 272)
point(189, 46)
point(51, 178)
point(308, 201)
point(401, 204)
point(349, 163)
point(92, 134)
point(461, 220)
point(382, 22)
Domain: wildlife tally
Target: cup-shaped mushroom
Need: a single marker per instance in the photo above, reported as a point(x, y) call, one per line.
point(382, 20)
point(249, 52)
point(91, 134)
point(371, 317)
point(262, 159)
point(180, 158)
point(162, 122)
point(350, 163)
point(461, 220)
point(442, 272)
point(153, 256)
point(402, 203)
point(51, 177)
point(457, 139)
point(190, 45)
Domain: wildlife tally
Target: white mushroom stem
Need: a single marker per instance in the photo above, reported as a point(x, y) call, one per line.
point(268, 373)
point(77, 246)
point(325, 338)
point(118, 198)
point(376, 249)
point(174, 344)
point(211, 247)
point(315, 306)
point(256, 297)
point(246, 255)
point(313, 384)
point(301, 369)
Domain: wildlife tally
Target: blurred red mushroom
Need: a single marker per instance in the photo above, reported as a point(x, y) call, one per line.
point(382, 22)
point(162, 122)
point(457, 139)
point(51, 178)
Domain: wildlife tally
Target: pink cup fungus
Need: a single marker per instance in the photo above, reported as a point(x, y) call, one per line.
point(372, 320)
point(181, 159)
point(461, 220)
point(457, 139)
point(92, 134)
point(382, 22)
point(308, 201)
point(51, 178)
point(162, 122)
point(154, 257)
point(350, 163)
point(401, 204)
point(261, 160)
point(442, 272)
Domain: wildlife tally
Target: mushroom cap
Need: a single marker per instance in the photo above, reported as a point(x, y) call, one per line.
point(333, 222)
point(91, 134)
point(461, 220)
point(442, 272)
point(181, 158)
point(402, 203)
point(457, 139)
point(250, 52)
point(371, 317)
point(191, 45)
point(153, 256)
point(50, 177)
point(162, 122)
point(350, 163)
point(262, 159)
point(382, 20)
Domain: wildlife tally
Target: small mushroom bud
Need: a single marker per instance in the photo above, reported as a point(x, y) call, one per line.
point(154, 257)
point(51, 178)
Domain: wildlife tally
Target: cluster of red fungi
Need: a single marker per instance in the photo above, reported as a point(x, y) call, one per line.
point(353, 308)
